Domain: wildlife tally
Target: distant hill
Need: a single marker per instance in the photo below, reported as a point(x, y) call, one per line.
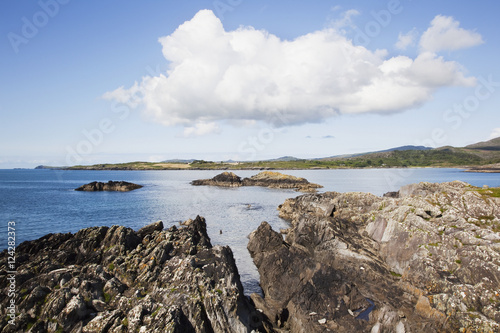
point(492, 145)
point(284, 159)
point(405, 148)
point(175, 160)
point(401, 148)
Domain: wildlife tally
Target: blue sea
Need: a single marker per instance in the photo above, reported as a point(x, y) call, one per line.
point(44, 201)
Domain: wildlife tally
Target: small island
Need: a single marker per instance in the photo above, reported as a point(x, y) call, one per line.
point(490, 168)
point(119, 186)
point(269, 179)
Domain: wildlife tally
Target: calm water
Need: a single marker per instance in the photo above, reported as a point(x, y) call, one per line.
point(44, 201)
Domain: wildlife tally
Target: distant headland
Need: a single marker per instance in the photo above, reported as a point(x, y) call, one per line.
point(479, 157)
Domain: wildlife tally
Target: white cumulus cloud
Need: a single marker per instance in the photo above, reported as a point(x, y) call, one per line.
point(445, 34)
point(251, 75)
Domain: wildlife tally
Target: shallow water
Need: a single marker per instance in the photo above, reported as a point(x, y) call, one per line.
point(44, 201)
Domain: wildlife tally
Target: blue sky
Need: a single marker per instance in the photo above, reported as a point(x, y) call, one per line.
point(117, 81)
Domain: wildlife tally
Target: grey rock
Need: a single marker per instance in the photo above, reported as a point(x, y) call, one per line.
point(119, 280)
point(426, 260)
point(120, 186)
point(266, 179)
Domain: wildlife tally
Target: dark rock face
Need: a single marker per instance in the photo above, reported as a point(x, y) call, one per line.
point(119, 186)
point(427, 260)
point(113, 279)
point(266, 179)
point(226, 179)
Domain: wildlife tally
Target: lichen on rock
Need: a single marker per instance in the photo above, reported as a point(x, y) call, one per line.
point(427, 257)
point(113, 279)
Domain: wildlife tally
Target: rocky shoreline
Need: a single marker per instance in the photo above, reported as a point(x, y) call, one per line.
point(269, 179)
point(423, 259)
point(490, 168)
point(113, 279)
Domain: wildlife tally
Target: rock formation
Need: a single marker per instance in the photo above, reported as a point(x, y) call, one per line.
point(490, 168)
point(266, 179)
point(112, 279)
point(425, 259)
point(225, 179)
point(119, 186)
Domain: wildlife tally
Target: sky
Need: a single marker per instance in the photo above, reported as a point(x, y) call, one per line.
point(85, 82)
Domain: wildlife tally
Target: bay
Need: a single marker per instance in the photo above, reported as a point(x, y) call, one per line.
point(44, 201)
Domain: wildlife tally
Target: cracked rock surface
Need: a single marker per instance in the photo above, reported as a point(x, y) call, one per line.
point(424, 259)
point(113, 279)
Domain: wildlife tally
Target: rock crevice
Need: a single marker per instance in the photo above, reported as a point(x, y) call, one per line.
point(424, 259)
point(114, 279)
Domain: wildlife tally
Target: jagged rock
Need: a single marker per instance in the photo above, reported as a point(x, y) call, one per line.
point(426, 260)
point(113, 279)
point(150, 229)
point(120, 186)
point(266, 179)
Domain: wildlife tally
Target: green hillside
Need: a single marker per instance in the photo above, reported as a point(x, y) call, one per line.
point(480, 154)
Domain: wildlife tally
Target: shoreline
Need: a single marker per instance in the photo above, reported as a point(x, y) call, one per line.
point(465, 168)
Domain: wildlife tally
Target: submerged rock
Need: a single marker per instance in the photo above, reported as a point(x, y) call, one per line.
point(269, 179)
point(425, 260)
point(113, 279)
point(120, 186)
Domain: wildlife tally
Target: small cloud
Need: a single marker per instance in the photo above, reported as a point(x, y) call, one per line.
point(345, 21)
point(495, 133)
point(322, 137)
point(200, 129)
point(445, 34)
point(406, 40)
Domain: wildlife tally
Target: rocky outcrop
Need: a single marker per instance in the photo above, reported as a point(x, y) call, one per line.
point(274, 179)
point(119, 186)
point(225, 179)
point(269, 179)
point(425, 259)
point(113, 279)
point(490, 168)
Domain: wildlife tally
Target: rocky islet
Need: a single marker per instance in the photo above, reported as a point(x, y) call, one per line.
point(271, 179)
point(118, 186)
